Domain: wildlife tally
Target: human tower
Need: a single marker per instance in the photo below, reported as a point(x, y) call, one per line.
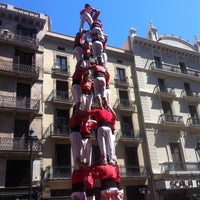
point(90, 82)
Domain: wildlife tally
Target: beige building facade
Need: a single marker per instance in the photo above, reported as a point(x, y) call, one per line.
point(168, 81)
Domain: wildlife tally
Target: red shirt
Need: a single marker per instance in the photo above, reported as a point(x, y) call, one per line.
point(102, 172)
point(79, 176)
point(101, 115)
point(75, 120)
point(78, 40)
point(86, 127)
point(78, 74)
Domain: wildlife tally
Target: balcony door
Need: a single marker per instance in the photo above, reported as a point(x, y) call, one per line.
point(131, 159)
point(21, 128)
point(23, 95)
point(176, 156)
point(63, 161)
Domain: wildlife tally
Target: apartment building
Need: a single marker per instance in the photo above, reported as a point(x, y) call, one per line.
point(59, 65)
point(21, 62)
point(168, 91)
point(36, 66)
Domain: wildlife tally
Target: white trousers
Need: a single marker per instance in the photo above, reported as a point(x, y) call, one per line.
point(106, 143)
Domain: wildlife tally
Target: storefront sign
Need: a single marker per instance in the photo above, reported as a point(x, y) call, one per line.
point(176, 184)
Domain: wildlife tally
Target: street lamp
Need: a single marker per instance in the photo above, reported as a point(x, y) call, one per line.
point(31, 138)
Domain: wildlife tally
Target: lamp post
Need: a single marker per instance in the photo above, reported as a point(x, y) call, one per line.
point(31, 138)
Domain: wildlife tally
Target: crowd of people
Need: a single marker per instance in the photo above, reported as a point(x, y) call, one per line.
point(90, 82)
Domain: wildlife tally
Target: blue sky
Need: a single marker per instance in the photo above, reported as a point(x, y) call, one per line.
point(178, 17)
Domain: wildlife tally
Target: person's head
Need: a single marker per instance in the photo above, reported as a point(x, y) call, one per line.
point(87, 5)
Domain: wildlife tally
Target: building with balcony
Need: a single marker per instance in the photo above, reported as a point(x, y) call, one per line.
point(21, 62)
point(59, 65)
point(167, 72)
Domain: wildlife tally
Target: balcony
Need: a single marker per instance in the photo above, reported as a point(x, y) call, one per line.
point(57, 130)
point(58, 172)
point(9, 37)
point(17, 144)
point(125, 105)
point(19, 104)
point(164, 91)
point(132, 171)
point(171, 120)
point(60, 70)
point(190, 96)
point(127, 135)
point(61, 97)
point(180, 167)
point(121, 81)
point(18, 70)
point(175, 71)
point(193, 122)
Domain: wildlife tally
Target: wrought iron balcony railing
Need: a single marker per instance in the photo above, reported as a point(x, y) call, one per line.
point(121, 81)
point(190, 94)
point(60, 69)
point(180, 166)
point(60, 96)
point(125, 104)
point(164, 89)
point(17, 144)
point(18, 68)
point(193, 121)
point(19, 103)
point(11, 37)
point(65, 172)
point(57, 129)
point(171, 119)
point(175, 69)
point(127, 134)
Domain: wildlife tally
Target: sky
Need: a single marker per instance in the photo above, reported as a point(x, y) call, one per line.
point(178, 17)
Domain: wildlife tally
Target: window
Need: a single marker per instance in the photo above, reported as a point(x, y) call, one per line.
point(127, 126)
point(183, 67)
point(131, 159)
point(21, 128)
point(176, 156)
point(62, 122)
point(166, 106)
point(161, 83)
point(23, 95)
point(62, 89)
point(193, 111)
point(187, 89)
point(25, 58)
point(26, 31)
point(61, 63)
point(123, 96)
point(158, 62)
point(121, 74)
point(63, 160)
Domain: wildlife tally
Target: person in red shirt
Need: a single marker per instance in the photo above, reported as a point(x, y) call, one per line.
point(88, 14)
point(78, 184)
point(77, 78)
point(99, 73)
point(86, 127)
point(87, 92)
point(77, 49)
point(105, 118)
point(76, 137)
point(108, 177)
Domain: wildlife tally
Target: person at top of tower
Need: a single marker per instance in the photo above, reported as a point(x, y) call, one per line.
point(88, 14)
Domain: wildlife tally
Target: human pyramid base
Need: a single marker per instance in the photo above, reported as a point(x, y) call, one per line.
point(90, 82)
